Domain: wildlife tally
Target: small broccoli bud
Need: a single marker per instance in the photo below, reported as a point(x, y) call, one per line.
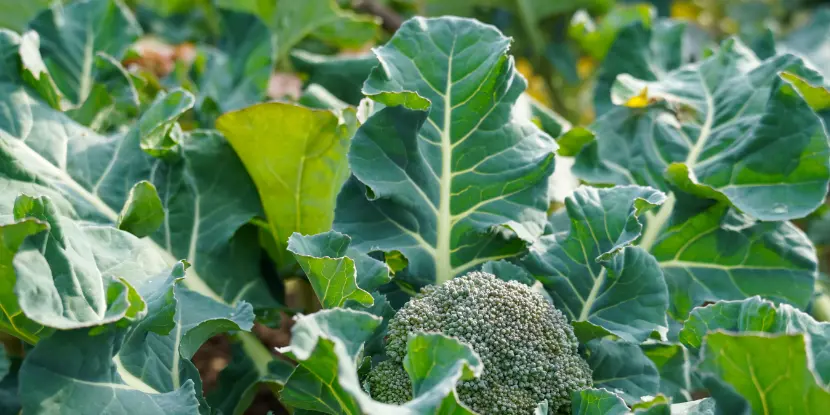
point(528, 348)
point(388, 382)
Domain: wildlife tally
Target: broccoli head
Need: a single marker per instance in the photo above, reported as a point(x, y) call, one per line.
point(528, 348)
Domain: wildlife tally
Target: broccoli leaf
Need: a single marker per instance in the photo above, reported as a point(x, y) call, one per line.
point(772, 373)
point(445, 174)
point(292, 154)
point(12, 320)
point(622, 367)
point(335, 277)
point(70, 47)
point(327, 345)
point(75, 275)
point(715, 133)
point(756, 315)
point(672, 360)
point(593, 274)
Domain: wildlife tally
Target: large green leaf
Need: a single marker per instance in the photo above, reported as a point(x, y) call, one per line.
point(672, 361)
point(773, 374)
point(729, 128)
point(335, 277)
point(94, 183)
point(72, 35)
point(73, 372)
point(297, 158)
point(719, 254)
point(327, 346)
point(76, 275)
point(712, 138)
point(143, 212)
point(593, 274)
point(756, 315)
point(446, 174)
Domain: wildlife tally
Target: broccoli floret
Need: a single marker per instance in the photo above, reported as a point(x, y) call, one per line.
point(388, 382)
point(528, 348)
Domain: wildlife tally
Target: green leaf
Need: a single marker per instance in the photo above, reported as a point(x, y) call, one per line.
point(597, 402)
point(333, 275)
point(672, 361)
point(437, 185)
point(73, 372)
point(622, 367)
point(759, 316)
point(9, 390)
point(717, 133)
point(75, 275)
point(719, 254)
point(23, 65)
point(774, 374)
point(601, 283)
point(340, 75)
point(811, 40)
point(297, 158)
point(142, 213)
point(113, 98)
point(158, 128)
point(72, 35)
point(327, 346)
point(237, 73)
point(596, 38)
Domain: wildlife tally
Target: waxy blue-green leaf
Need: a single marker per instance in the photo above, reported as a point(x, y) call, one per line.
point(718, 254)
point(622, 367)
point(446, 174)
point(89, 176)
point(327, 345)
point(597, 402)
point(9, 391)
point(75, 275)
point(113, 99)
point(771, 373)
point(297, 158)
point(72, 35)
point(336, 273)
point(73, 372)
point(756, 315)
point(142, 213)
point(236, 74)
point(343, 76)
point(157, 350)
point(601, 283)
point(728, 128)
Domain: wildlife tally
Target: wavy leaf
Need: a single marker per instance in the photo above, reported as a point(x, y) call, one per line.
point(594, 276)
point(446, 174)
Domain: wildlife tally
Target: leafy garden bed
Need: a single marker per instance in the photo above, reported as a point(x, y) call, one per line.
point(179, 234)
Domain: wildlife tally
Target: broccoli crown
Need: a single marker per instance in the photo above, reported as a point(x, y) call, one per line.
point(528, 348)
point(388, 382)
